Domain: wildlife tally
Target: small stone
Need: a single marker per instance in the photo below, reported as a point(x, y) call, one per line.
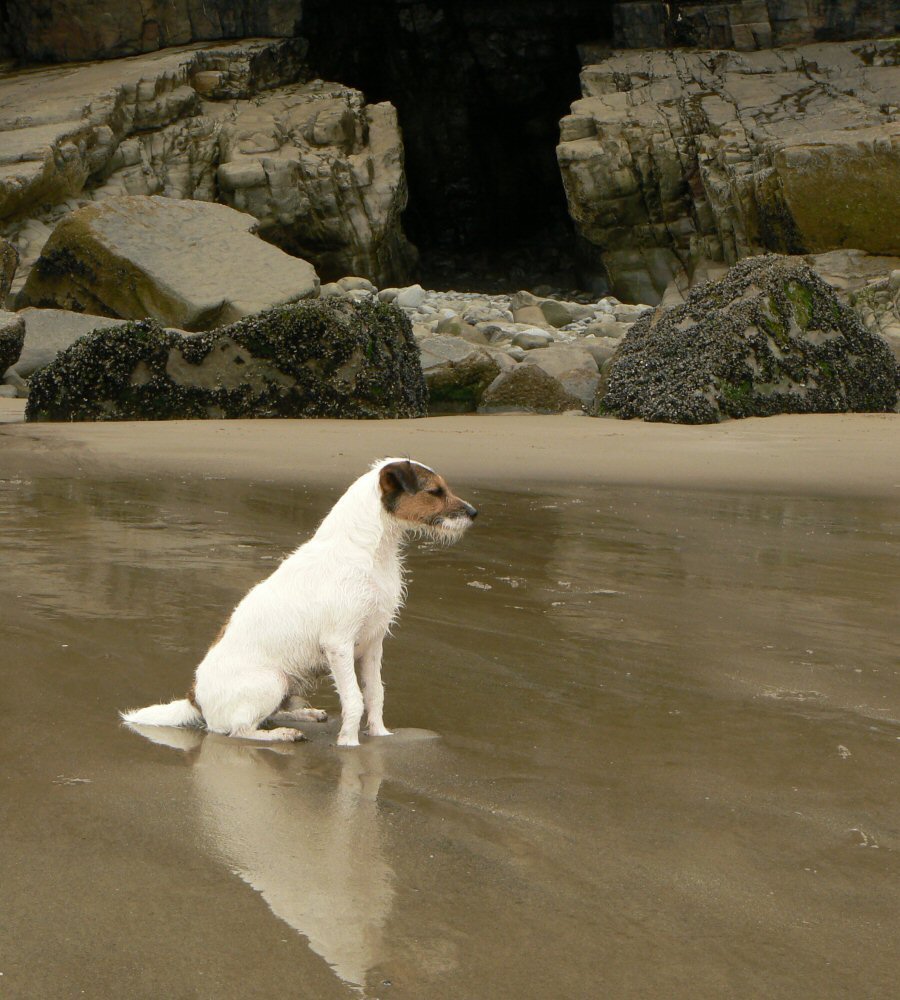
point(411, 297)
point(529, 340)
point(353, 283)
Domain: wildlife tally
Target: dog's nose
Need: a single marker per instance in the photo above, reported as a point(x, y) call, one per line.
point(470, 510)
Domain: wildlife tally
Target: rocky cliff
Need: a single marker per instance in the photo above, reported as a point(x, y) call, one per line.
point(672, 159)
point(240, 123)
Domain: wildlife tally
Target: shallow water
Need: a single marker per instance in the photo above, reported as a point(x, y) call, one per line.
point(648, 747)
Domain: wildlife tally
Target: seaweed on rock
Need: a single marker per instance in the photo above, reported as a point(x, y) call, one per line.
point(325, 358)
point(770, 337)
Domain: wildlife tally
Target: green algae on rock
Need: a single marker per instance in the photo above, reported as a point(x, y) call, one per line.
point(322, 358)
point(770, 337)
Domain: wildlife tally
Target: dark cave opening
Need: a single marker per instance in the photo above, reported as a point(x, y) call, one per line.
point(479, 88)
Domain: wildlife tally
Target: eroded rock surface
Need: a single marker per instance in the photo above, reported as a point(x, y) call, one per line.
point(188, 264)
point(224, 122)
point(673, 159)
point(771, 337)
point(325, 358)
point(67, 30)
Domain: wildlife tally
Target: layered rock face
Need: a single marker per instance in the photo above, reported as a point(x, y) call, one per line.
point(314, 359)
point(676, 158)
point(771, 337)
point(72, 30)
point(323, 170)
point(750, 24)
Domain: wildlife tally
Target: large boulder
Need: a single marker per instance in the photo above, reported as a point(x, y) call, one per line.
point(674, 158)
point(12, 336)
point(770, 337)
point(50, 331)
point(327, 358)
point(192, 265)
point(548, 380)
point(9, 261)
point(457, 372)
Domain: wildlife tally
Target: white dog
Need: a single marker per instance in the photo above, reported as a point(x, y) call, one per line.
point(326, 608)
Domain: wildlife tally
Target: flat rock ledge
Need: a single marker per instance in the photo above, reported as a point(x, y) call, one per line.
point(189, 264)
point(311, 359)
point(771, 337)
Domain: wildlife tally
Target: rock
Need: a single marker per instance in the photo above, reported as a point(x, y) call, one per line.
point(12, 337)
point(388, 294)
point(323, 172)
point(771, 337)
point(192, 265)
point(8, 391)
point(688, 157)
point(532, 315)
point(352, 283)
point(607, 327)
point(411, 297)
point(331, 290)
point(320, 169)
point(457, 373)
point(530, 339)
point(9, 261)
point(49, 331)
point(527, 389)
point(72, 30)
point(559, 314)
point(601, 349)
point(453, 326)
point(329, 358)
point(573, 367)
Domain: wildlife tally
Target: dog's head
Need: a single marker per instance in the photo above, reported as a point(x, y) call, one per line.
point(421, 498)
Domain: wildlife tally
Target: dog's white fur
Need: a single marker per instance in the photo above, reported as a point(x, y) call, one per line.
point(326, 608)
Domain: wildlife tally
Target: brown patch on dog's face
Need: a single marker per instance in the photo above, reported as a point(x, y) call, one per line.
point(414, 493)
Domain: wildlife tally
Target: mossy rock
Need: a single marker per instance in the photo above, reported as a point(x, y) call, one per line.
point(770, 337)
point(324, 358)
point(12, 337)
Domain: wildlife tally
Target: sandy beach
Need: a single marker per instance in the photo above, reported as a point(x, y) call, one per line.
point(648, 707)
point(828, 454)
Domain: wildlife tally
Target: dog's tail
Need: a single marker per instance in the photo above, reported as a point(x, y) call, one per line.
point(176, 713)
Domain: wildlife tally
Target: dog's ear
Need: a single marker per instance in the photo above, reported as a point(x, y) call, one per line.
point(395, 479)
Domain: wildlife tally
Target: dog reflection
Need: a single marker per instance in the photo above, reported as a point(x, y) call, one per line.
point(303, 830)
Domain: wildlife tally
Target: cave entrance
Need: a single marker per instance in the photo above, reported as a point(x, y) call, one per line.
point(479, 88)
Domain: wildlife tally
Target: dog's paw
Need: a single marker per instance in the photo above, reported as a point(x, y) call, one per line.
point(347, 741)
point(287, 735)
point(379, 731)
point(315, 714)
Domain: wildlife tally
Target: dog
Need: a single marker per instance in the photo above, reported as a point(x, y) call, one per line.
point(326, 609)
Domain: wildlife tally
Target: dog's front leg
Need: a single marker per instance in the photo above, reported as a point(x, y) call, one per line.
point(373, 689)
point(340, 662)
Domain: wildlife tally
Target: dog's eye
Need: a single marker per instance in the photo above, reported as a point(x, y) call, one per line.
point(438, 491)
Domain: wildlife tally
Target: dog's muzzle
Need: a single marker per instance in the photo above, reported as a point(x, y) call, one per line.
point(470, 511)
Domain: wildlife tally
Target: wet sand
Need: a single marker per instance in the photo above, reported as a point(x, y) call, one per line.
point(831, 454)
point(647, 741)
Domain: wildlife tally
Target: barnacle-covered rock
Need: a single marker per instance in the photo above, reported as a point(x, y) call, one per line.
point(324, 358)
point(12, 336)
point(189, 264)
point(9, 261)
point(770, 337)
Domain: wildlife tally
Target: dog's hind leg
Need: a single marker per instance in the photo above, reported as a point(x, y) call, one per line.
point(340, 661)
point(295, 709)
point(373, 689)
point(239, 710)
